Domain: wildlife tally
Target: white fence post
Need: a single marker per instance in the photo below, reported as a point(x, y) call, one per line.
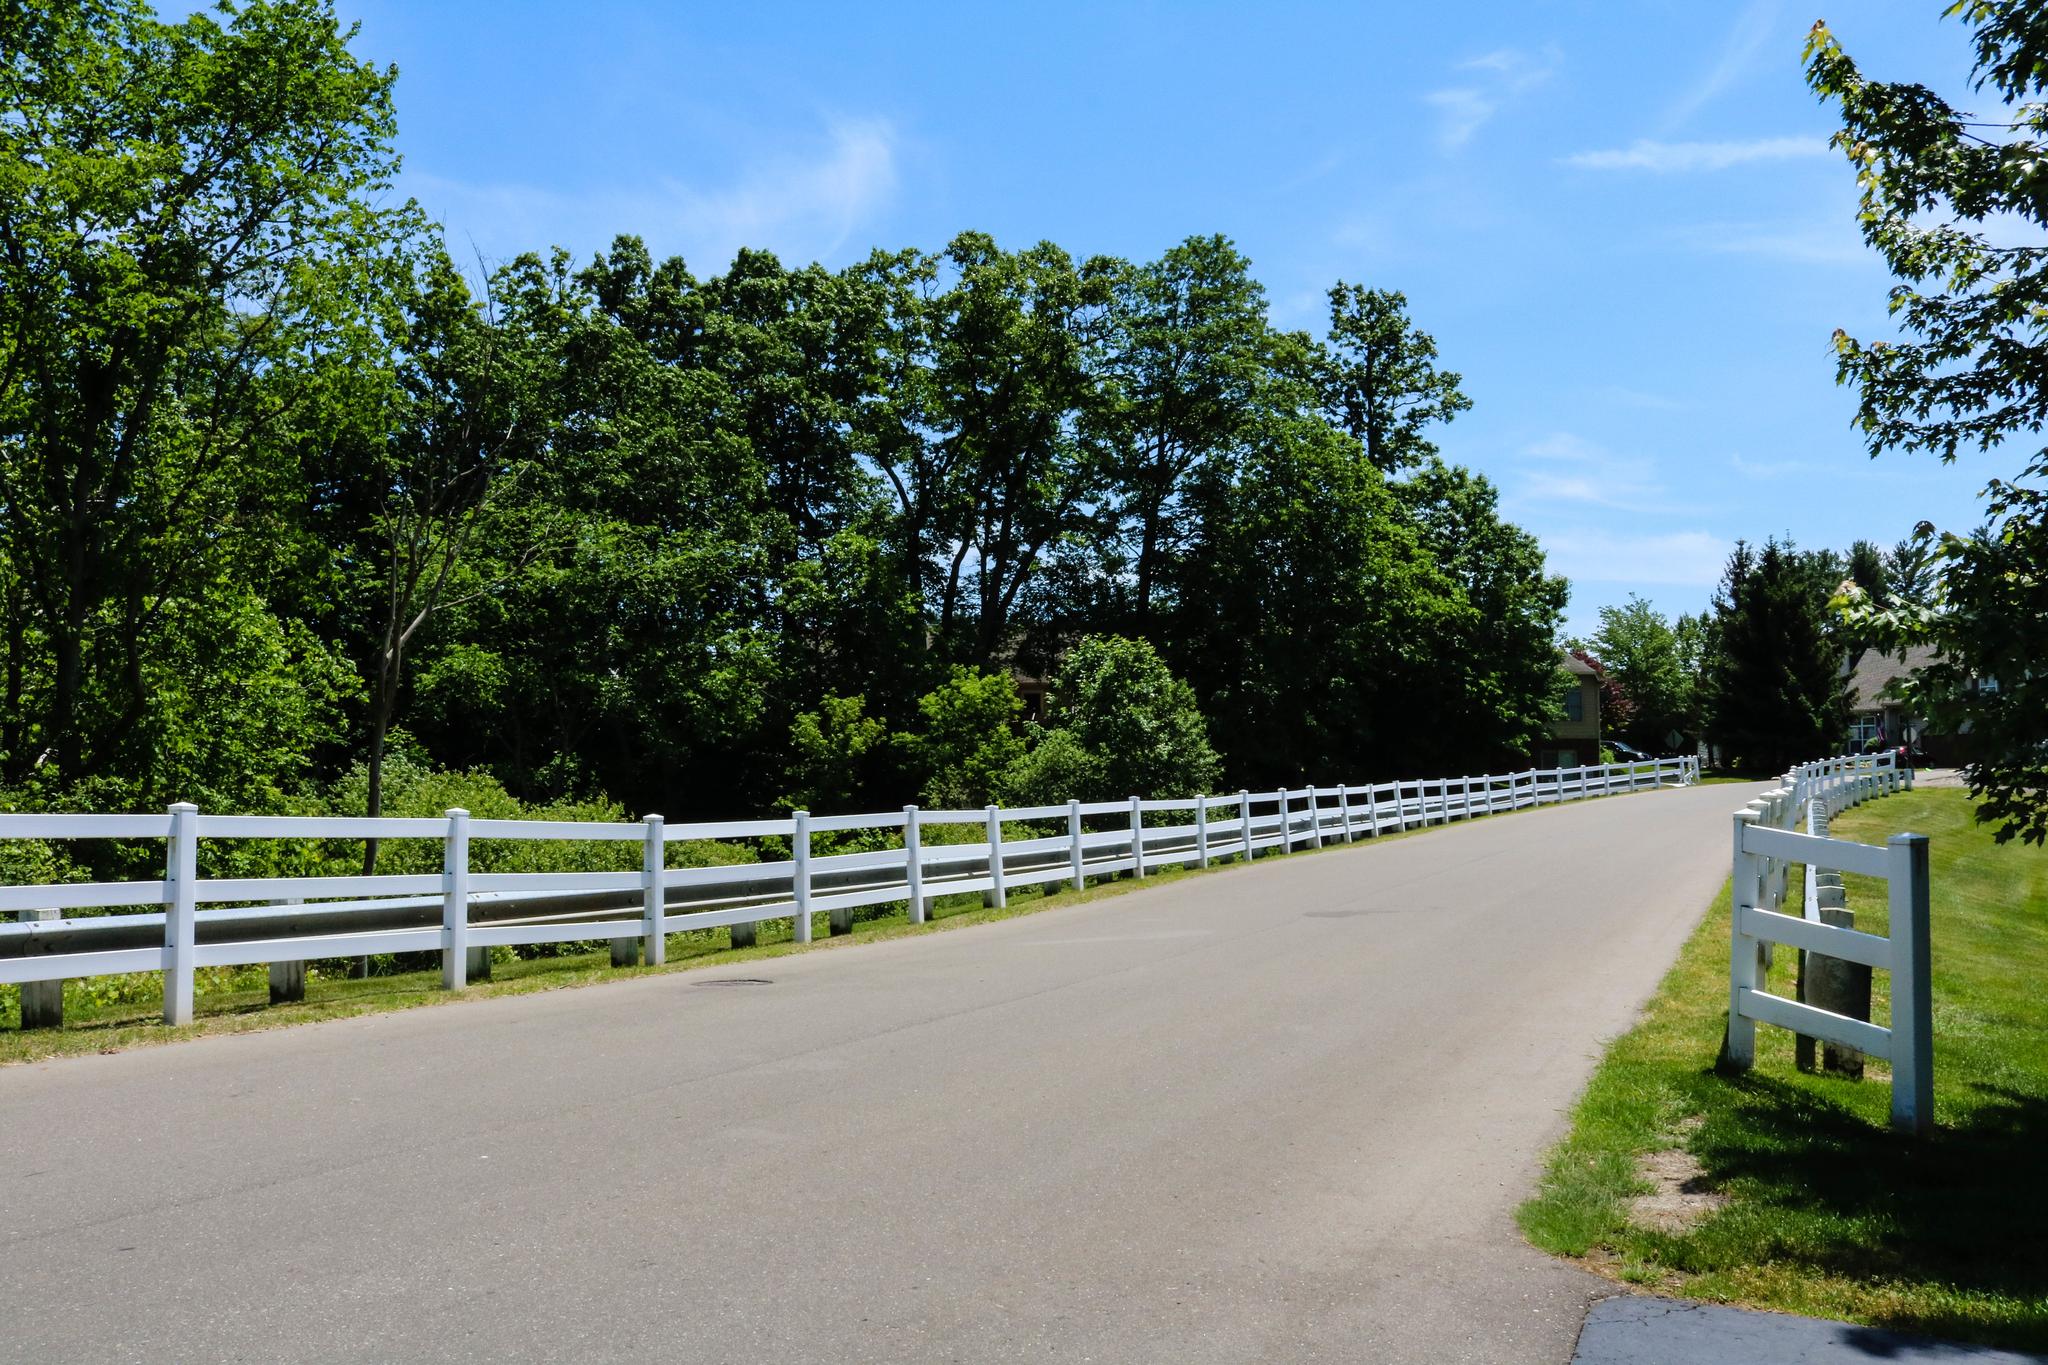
point(1344, 803)
point(1075, 853)
point(1201, 831)
point(1372, 810)
point(654, 896)
point(1315, 820)
point(181, 868)
point(1282, 804)
point(455, 901)
point(1912, 989)
point(1137, 839)
point(913, 864)
point(998, 894)
point(1244, 812)
point(800, 874)
point(1743, 893)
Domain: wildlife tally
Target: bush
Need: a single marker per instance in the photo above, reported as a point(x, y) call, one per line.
point(1120, 704)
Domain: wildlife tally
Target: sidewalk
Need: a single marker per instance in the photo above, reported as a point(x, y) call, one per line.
point(1635, 1330)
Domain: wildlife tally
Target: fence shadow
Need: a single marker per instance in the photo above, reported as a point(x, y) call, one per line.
point(1966, 1206)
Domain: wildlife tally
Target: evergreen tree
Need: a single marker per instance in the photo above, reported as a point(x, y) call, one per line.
point(1775, 686)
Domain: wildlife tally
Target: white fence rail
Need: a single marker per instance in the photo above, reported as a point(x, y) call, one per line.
point(1766, 845)
point(460, 910)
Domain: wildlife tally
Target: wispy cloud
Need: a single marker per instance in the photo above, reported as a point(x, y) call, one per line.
point(1564, 468)
point(1739, 49)
point(1831, 242)
point(1772, 469)
point(1665, 158)
point(1490, 83)
point(804, 203)
point(1692, 559)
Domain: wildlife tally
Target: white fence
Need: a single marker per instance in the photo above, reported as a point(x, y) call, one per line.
point(291, 919)
point(1767, 843)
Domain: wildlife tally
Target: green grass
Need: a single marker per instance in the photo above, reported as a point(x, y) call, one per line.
point(1829, 1212)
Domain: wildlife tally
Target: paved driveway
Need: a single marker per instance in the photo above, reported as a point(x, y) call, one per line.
point(1278, 1113)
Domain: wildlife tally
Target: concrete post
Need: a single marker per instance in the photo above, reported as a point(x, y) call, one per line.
point(800, 875)
point(1912, 989)
point(42, 1002)
point(181, 870)
point(744, 935)
point(913, 866)
point(455, 902)
point(1076, 854)
point(654, 891)
point(1137, 839)
point(287, 979)
point(998, 893)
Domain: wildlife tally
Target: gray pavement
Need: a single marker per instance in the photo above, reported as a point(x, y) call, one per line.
point(1278, 1113)
point(1654, 1331)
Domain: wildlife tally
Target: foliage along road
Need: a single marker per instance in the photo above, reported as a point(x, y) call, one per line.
point(1276, 1113)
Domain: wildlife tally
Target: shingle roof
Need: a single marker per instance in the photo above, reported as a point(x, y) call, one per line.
point(1873, 671)
point(1574, 664)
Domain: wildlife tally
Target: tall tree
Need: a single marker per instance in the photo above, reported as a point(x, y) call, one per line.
point(1775, 686)
point(1184, 363)
point(1017, 400)
point(1944, 191)
point(1496, 658)
point(1639, 651)
point(1380, 381)
point(187, 215)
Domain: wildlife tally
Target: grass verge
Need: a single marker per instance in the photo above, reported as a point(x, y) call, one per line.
point(1816, 1206)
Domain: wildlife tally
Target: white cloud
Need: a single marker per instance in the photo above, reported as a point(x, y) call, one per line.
point(802, 204)
point(1691, 559)
point(1825, 243)
point(1739, 49)
point(1569, 469)
point(1497, 79)
point(1667, 157)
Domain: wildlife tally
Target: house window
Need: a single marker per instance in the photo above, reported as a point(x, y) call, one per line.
point(1865, 729)
point(1575, 704)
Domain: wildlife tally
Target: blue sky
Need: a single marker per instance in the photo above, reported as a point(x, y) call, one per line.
point(1620, 221)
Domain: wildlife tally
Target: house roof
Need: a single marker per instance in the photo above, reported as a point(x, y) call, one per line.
point(1871, 672)
point(1574, 664)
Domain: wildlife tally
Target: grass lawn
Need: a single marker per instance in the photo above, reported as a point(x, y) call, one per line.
point(1805, 1199)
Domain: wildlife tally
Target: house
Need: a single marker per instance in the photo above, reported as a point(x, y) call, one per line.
point(1574, 739)
point(1878, 714)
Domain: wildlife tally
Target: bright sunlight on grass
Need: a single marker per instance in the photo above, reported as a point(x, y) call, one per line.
point(1811, 1204)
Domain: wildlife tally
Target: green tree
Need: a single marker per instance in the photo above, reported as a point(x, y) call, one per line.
point(1943, 193)
point(1639, 651)
point(1493, 651)
point(966, 738)
point(1184, 363)
point(1774, 690)
point(1380, 382)
point(188, 218)
point(1139, 724)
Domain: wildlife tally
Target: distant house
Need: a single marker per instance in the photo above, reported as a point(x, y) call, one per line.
point(1574, 740)
point(1878, 714)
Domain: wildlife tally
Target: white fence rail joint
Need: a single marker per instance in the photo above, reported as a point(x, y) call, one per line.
point(1766, 844)
point(462, 913)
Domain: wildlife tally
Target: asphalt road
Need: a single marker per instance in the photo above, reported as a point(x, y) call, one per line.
point(1280, 1113)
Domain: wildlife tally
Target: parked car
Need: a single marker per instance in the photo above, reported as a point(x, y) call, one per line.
point(1627, 753)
